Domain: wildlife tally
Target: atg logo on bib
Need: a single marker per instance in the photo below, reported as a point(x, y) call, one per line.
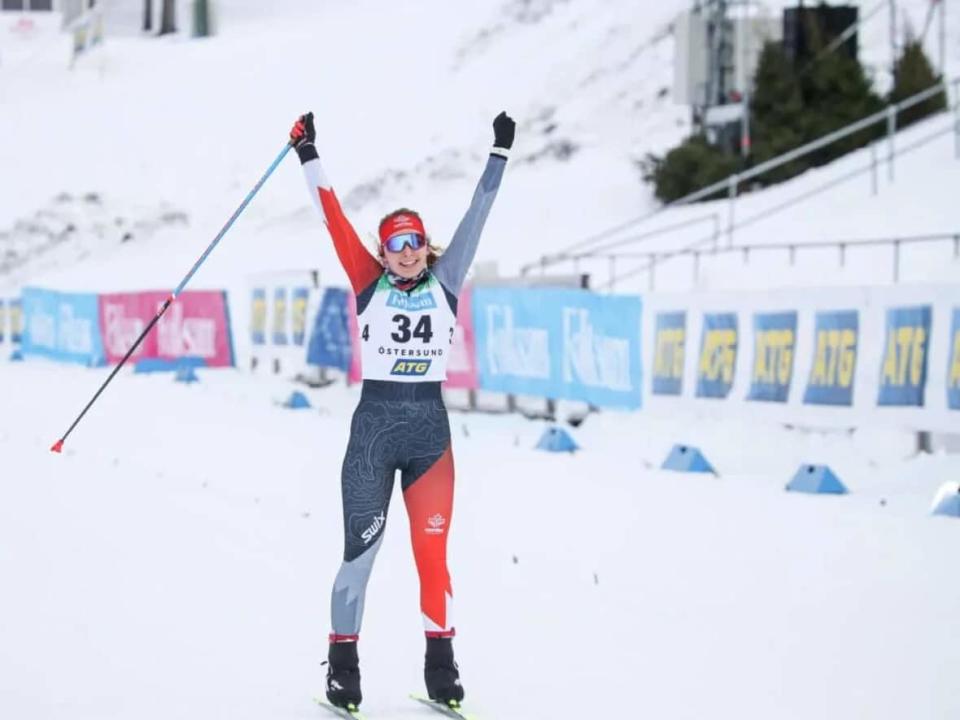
point(420, 301)
point(410, 367)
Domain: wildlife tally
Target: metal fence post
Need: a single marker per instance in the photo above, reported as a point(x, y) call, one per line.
point(653, 271)
point(613, 271)
point(896, 261)
point(956, 112)
point(891, 133)
point(696, 269)
point(732, 195)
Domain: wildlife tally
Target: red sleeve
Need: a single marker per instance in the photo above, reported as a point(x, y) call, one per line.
point(362, 268)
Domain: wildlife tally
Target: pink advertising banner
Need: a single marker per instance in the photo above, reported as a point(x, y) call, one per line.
point(197, 324)
point(356, 371)
point(462, 366)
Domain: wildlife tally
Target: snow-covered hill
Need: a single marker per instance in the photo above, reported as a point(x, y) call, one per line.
point(404, 94)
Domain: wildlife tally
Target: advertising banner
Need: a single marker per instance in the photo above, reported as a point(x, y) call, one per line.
point(16, 321)
point(258, 316)
point(953, 367)
point(280, 316)
point(830, 357)
point(298, 315)
point(196, 325)
point(669, 353)
point(461, 368)
point(903, 373)
point(774, 343)
point(355, 373)
point(718, 355)
point(834, 359)
point(562, 344)
point(330, 343)
point(62, 326)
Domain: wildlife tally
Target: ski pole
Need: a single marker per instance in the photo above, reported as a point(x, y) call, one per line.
point(58, 445)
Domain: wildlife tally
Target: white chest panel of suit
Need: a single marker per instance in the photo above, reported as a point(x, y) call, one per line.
point(406, 337)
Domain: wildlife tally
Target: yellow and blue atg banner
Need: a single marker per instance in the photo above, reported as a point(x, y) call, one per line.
point(561, 344)
point(669, 348)
point(718, 355)
point(258, 316)
point(953, 367)
point(834, 358)
point(903, 372)
point(298, 314)
point(280, 310)
point(16, 320)
point(822, 357)
point(774, 343)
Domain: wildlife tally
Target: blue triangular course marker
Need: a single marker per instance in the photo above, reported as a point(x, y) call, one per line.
point(16, 356)
point(686, 458)
point(947, 501)
point(186, 374)
point(816, 479)
point(297, 401)
point(556, 439)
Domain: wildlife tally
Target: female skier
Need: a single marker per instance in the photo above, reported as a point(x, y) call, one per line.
point(406, 309)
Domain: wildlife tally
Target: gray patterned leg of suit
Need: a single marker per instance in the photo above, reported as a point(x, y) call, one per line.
point(385, 436)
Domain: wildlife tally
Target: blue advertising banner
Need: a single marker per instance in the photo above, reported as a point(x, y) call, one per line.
point(16, 321)
point(953, 369)
point(718, 355)
point(258, 317)
point(62, 326)
point(567, 344)
point(298, 314)
point(774, 342)
point(330, 341)
point(834, 360)
point(669, 353)
point(280, 316)
point(903, 372)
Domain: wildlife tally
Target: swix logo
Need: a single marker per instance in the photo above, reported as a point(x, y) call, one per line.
point(410, 367)
point(374, 528)
point(435, 525)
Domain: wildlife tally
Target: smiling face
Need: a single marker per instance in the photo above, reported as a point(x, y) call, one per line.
point(408, 263)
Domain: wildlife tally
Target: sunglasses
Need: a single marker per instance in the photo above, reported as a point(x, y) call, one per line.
point(397, 242)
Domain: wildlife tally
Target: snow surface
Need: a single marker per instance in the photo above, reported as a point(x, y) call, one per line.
point(176, 561)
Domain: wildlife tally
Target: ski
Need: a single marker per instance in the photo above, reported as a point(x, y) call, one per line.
point(349, 713)
point(453, 709)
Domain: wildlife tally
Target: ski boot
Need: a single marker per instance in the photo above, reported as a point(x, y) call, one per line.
point(343, 675)
point(440, 672)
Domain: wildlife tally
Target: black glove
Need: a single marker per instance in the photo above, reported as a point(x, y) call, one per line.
point(302, 135)
point(504, 129)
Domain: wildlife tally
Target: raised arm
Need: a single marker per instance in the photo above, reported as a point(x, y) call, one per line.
point(451, 268)
point(361, 267)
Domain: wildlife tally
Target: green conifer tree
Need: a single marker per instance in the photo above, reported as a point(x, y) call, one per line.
point(912, 74)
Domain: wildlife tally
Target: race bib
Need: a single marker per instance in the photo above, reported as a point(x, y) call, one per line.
point(406, 337)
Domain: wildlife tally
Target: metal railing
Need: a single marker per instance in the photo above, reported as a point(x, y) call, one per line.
point(577, 251)
point(697, 254)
